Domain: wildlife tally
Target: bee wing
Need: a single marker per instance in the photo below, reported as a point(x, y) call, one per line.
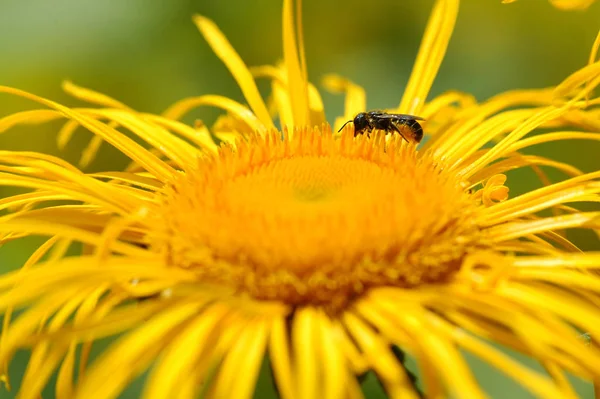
point(399, 116)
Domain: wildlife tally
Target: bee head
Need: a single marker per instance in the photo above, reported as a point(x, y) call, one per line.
point(361, 122)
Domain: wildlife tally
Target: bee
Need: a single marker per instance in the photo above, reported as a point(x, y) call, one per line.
point(406, 125)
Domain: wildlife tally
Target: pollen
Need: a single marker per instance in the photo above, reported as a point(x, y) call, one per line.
point(307, 218)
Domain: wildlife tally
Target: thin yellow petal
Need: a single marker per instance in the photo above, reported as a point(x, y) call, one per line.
point(64, 380)
point(464, 143)
point(594, 51)
point(316, 106)
point(181, 107)
point(44, 357)
point(34, 383)
point(92, 96)
point(223, 49)
point(355, 101)
point(456, 374)
point(433, 48)
point(297, 85)
point(572, 4)
point(32, 260)
point(334, 365)
point(103, 323)
point(35, 227)
point(574, 280)
point(28, 117)
point(519, 161)
point(238, 373)
point(305, 351)
point(126, 145)
point(571, 86)
point(533, 381)
point(89, 152)
point(28, 158)
point(281, 93)
point(586, 260)
point(134, 179)
point(279, 351)
point(29, 321)
point(445, 100)
point(513, 230)
point(382, 360)
point(554, 136)
point(177, 362)
point(585, 193)
point(15, 202)
point(66, 133)
point(471, 117)
point(541, 195)
point(511, 323)
point(173, 147)
point(281, 96)
point(500, 148)
point(132, 354)
point(48, 275)
point(568, 306)
point(200, 137)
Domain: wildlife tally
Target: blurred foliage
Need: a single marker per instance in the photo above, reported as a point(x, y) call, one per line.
point(148, 54)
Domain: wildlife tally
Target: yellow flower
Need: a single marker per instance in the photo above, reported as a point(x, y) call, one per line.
point(324, 250)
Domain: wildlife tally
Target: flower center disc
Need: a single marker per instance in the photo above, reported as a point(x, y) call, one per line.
point(314, 219)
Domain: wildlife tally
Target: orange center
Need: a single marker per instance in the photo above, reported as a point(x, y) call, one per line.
point(318, 219)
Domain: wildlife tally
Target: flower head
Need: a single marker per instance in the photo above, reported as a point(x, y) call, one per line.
point(324, 248)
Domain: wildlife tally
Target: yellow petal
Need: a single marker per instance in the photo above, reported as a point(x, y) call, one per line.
point(457, 376)
point(200, 137)
point(533, 381)
point(32, 260)
point(572, 4)
point(92, 96)
point(181, 107)
point(572, 85)
point(541, 198)
point(382, 360)
point(179, 359)
point(281, 93)
point(64, 381)
point(520, 229)
point(431, 53)
point(279, 351)
point(334, 365)
point(554, 136)
point(500, 148)
point(305, 351)
point(472, 116)
point(292, 55)
point(28, 117)
point(223, 49)
point(587, 260)
point(158, 137)
point(126, 145)
point(132, 353)
point(238, 373)
point(355, 101)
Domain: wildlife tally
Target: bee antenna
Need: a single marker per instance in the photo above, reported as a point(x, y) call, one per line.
point(344, 125)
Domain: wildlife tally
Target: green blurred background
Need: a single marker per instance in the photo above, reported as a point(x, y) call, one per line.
point(148, 54)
